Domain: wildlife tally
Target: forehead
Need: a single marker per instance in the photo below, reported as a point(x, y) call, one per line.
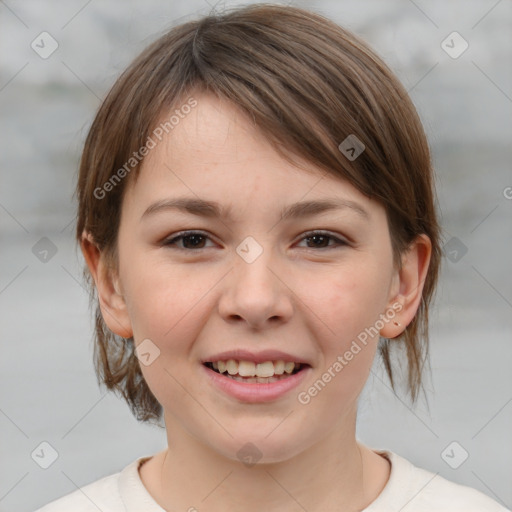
point(215, 132)
point(216, 151)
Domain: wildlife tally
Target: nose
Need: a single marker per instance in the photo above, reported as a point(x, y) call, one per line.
point(256, 293)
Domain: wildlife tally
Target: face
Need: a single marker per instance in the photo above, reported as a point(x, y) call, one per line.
point(293, 287)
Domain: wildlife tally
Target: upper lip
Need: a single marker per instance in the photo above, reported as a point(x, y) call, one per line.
point(256, 357)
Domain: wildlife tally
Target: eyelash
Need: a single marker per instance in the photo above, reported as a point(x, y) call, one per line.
point(173, 241)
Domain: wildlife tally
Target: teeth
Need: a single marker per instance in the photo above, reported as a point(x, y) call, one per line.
point(265, 369)
point(279, 367)
point(259, 380)
point(232, 366)
point(289, 367)
point(249, 369)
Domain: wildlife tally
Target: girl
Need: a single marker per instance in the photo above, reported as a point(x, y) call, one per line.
point(256, 211)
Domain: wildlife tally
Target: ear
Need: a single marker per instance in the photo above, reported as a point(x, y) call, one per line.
point(112, 302)
point(407, 286)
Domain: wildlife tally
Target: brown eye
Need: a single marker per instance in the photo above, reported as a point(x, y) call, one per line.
point(191, 240)
point(320, 240)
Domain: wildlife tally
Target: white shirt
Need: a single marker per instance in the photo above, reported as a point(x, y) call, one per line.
point(409, 489)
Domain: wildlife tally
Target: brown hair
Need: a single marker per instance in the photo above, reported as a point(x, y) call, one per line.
point(307, 84)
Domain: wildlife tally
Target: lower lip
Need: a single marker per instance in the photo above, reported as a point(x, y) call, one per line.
point(254, 391)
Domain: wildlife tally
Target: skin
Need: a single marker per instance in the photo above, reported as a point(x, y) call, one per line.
point(297, 296)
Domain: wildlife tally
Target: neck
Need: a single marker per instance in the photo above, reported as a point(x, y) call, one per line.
point(190, 474)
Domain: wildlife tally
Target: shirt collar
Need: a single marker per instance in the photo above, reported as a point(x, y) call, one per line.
point(133, 493)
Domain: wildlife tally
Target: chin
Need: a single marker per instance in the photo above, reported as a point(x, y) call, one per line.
point(252, 447)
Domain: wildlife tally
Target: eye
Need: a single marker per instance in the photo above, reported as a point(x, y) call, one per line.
point(194, 240)
point(191, 240)
point(319, 239)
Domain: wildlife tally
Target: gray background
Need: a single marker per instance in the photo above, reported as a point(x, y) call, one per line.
point(48, 388)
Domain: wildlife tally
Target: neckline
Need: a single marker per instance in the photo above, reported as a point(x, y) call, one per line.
point(135, 495)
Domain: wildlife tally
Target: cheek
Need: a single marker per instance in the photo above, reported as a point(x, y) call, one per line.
point(165, 308)
point(159, 296)
point(168, 307)
point(346, 300)
point(346, 304)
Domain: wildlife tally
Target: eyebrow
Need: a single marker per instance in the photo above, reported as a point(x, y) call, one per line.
point(212, 209)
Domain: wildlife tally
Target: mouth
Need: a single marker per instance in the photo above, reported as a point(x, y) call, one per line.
point(249, 372)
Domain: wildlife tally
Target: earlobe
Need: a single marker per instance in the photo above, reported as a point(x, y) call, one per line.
point(411, 278)
point(112, 301)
